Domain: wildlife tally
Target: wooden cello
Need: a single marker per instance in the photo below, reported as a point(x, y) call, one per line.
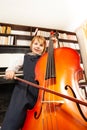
point(58, 70)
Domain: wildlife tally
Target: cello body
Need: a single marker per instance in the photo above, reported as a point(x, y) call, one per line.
point(52, 112)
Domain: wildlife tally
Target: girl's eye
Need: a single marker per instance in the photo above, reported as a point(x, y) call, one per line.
point(41, 45)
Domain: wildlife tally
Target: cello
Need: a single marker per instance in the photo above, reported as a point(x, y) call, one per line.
point(59, 71)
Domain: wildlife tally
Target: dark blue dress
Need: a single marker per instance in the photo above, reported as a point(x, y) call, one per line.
point(24, 96)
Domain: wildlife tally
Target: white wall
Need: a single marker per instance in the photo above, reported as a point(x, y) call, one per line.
point(58, 14)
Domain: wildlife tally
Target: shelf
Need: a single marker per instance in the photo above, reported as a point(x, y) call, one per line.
point(68, 41)
point(19, 27)
point(14, 49)
point(23, 37)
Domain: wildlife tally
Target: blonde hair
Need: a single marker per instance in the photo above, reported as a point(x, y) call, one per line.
point(40, 39)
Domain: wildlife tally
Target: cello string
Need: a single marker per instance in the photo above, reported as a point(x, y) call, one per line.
point(45, 107)
point(47, 101)
point(49, 107)
point(46, 112)
point(53, 88)
point(52, 83)
point(50, 74)
point(44, 119)
point(52, 107)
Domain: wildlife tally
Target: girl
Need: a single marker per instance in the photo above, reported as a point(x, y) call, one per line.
point(24, 96)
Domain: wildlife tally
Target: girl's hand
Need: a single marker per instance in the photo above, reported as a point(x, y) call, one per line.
point(9, 74)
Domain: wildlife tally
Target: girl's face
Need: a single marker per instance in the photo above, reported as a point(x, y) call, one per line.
point(37, 47)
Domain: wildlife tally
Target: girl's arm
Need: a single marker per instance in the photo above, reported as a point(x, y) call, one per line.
point(14, 67)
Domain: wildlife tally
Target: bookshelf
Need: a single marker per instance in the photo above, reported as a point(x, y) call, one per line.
point(21, 32)
point(16, 38)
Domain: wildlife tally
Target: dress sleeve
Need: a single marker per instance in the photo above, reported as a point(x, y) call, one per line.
point(17, 64)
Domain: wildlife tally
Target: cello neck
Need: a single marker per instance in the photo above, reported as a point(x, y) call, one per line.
point(50, 68)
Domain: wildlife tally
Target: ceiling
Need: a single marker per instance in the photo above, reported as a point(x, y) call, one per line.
point(57, 14)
